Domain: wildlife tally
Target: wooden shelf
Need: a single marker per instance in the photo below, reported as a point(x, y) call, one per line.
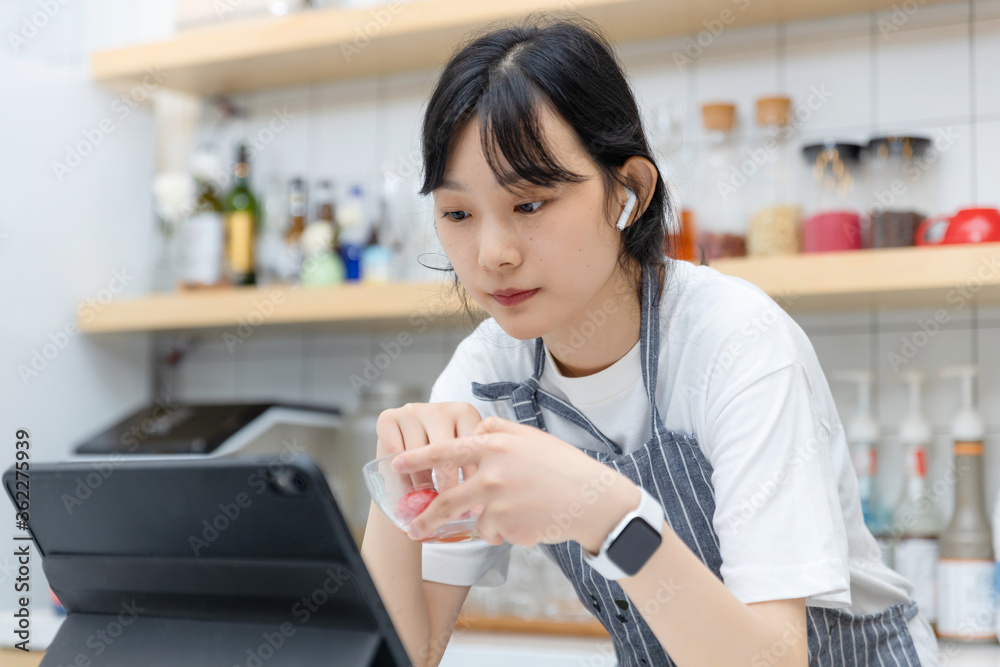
point(913, 277)
point(320, 45)
point(535, 626)
point(13, 658)
point(895, 278)
point(362, 305)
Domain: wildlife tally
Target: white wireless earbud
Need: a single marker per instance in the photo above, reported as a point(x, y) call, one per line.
point(629, 207)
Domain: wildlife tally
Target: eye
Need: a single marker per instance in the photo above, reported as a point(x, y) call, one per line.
point(530, 207)
point(457, 216)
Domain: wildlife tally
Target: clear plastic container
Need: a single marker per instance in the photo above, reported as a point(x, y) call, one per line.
point(773, 227)
point(903, 183)
point(719, 202)
point(402, 499)
point(831, 196)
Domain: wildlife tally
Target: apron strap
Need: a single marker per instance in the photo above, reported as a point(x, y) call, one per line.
point(649, 342)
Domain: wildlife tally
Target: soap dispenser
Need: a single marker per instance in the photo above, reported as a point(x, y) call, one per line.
point(862, 437)
point(916, 519)
point(966, 567)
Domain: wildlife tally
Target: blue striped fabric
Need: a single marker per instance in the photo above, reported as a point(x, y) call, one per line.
point(673, 469)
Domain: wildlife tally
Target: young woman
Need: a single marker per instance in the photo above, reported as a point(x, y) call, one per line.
point(662, 431)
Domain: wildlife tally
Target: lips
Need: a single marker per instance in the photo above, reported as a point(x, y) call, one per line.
point(513, 296)
point(509, 291)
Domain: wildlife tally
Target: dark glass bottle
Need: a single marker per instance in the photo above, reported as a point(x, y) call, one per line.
point(241, 221)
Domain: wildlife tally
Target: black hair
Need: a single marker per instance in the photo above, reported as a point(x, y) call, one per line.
point(503, 75)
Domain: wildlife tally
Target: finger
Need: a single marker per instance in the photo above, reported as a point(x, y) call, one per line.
point(452, 452)
point(465, 424)
point(440, 427)
point(390, 439)
point(487, 529)
point(494, 424)
point(415, 439)
point(448, 506)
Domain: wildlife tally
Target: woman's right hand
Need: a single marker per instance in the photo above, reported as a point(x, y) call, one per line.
point(418, 424)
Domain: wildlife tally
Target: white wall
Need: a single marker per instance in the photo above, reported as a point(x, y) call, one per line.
point(64, 237)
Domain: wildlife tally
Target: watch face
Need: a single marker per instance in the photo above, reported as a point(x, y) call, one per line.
point(634, 546)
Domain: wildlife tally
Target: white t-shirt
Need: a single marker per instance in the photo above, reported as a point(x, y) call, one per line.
point(737, 372)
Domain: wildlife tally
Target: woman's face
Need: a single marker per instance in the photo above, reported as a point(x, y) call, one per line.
point(556, 240)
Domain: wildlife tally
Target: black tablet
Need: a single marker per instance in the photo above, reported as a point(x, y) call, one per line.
point(224, 562)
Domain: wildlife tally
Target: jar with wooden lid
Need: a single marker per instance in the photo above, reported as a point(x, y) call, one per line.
point(773, 225)
point(719, 201)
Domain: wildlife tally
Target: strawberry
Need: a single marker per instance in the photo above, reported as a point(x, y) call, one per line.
point(413, 503)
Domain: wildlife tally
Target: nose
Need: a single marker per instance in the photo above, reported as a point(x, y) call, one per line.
point(499, 245)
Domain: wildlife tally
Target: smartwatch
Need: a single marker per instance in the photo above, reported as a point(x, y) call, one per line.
point(630, 543)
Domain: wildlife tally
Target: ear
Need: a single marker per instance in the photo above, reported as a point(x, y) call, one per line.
point(641, 176)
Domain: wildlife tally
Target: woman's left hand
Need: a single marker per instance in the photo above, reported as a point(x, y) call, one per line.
point(531, 487)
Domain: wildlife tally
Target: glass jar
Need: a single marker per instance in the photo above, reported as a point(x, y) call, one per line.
point(718, 206)
point(359, 437)
point(903, 183)
point(773, 227)
point(675, 159)
point(831, 197)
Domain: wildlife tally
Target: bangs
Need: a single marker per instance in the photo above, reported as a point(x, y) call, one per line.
point(511, 134)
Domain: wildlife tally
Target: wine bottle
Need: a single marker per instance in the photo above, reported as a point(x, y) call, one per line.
point(241, 222)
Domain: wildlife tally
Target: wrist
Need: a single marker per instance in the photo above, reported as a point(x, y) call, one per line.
point(621, 497)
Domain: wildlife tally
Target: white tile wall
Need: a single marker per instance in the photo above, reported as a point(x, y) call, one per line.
point(922, 65)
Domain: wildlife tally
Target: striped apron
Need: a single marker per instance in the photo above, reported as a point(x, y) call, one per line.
point(673, 469)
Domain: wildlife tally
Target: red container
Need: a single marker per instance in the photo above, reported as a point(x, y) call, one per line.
point(969, 225)
point(831, 231)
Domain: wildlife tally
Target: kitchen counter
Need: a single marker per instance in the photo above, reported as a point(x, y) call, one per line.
point(491, 649)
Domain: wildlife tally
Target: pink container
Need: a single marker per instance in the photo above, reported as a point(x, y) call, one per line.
point(832, 231)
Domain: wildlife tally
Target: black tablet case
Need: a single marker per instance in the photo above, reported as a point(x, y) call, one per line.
point(123, 553)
